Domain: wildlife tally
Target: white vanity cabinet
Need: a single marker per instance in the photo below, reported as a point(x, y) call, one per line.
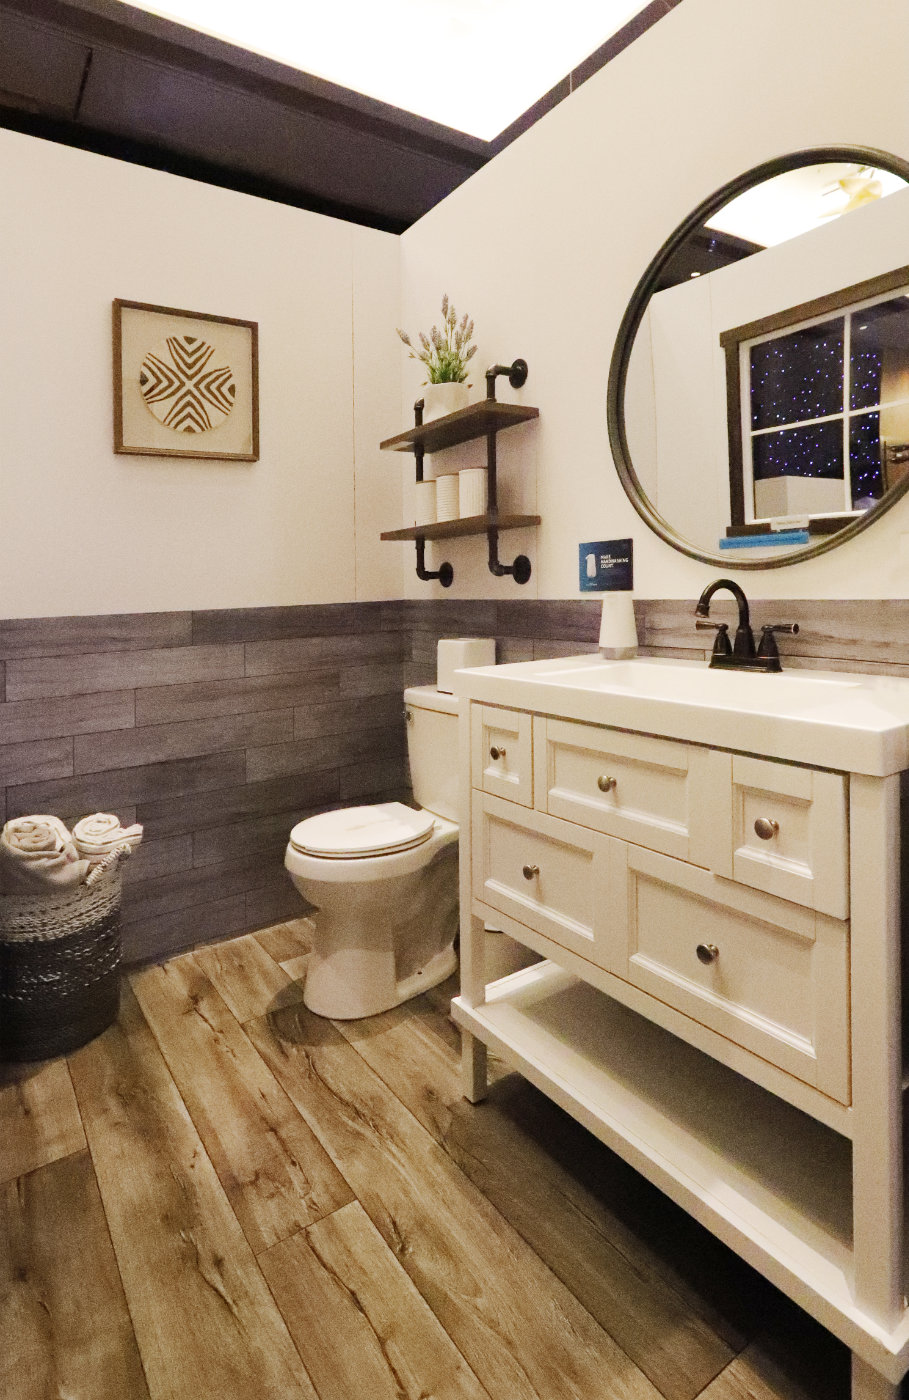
point(719, 997)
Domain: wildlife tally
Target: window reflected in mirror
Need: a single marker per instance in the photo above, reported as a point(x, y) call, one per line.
point(822, 421)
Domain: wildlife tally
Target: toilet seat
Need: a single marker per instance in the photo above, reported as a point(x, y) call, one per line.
point(353, 833)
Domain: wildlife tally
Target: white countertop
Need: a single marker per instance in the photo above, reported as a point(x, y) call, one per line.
point(854, 722)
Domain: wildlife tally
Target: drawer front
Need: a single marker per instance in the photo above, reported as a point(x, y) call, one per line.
point(789, 833)
point(560, 880)
point(502, 753)
point(654, 792)
point(761, 971)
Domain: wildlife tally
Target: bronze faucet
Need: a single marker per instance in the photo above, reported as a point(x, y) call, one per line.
point(742, 653)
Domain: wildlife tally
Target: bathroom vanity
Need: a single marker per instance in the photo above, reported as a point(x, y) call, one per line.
point(709, 864)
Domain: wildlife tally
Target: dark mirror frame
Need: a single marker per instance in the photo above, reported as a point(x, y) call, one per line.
point(634, 314)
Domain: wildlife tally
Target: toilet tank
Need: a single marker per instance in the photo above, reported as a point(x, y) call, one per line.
point(432, 747)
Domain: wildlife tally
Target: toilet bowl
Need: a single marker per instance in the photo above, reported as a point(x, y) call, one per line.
point(384, 879)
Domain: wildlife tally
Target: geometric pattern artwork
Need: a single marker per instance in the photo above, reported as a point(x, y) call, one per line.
point(183, 389)
point(186, 383)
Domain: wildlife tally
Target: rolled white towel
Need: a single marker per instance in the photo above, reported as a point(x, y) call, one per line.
point(37, 852)
point(99, 835)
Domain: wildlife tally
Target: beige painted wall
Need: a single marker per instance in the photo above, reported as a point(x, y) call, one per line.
point(545, 244)
point(87, 531)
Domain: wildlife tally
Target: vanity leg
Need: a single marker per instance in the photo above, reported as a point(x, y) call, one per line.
point(877, 1070)
point(868, 1384)
point(474, 1084)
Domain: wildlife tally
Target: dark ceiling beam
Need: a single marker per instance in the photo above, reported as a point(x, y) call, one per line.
point(111, 78)
point(130, 28)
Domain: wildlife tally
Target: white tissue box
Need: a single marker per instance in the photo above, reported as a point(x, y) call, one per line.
point(455, 653)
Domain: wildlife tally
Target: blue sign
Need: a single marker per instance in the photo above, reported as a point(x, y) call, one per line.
point(605, 566)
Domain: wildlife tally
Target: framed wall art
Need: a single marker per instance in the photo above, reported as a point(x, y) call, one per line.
point(186, 384)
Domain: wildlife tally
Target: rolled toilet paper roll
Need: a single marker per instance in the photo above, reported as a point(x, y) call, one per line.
point(447, 497)
point(424, 503)
point(472, 491)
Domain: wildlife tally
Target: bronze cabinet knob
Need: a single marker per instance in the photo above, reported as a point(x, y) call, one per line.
point(766, 828)
point(707, 952)
point(495, 753)
point(605, 783)
point(530, 871)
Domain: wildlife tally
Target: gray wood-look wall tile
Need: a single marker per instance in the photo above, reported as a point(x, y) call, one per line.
point(117, 787)
point(35, 762)
point(119, 670)
point(157, 743)
point(266, 835)
point(347, 716)
point(280, 760)
point(272, 624)
point(2, 680)
point(154, 939)
point(21, 720)
point(448, 617)
point(195, 811)
point(183, 889)
point(274, 658)
point(274, 900)
point(375, 678)
point(304, 653)
point(366, 780)
point(568, 619)
point(168, 704)
point(158, 857)
point(67, 636)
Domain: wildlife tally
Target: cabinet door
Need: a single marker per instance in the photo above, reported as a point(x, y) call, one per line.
point(654, 792)
point(559, 879)
point(502, 752)
point(789, 833)
point(764, 972)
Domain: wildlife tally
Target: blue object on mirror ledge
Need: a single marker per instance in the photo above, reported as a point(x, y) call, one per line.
point(762, 541)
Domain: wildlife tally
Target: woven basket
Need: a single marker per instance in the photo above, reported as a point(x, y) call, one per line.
point(59, 968)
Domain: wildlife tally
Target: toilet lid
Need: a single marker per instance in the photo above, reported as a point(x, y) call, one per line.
point(363, 831)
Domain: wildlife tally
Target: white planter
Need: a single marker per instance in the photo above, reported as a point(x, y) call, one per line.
point(439, 399)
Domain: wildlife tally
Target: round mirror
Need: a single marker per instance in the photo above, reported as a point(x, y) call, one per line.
point(758, 400)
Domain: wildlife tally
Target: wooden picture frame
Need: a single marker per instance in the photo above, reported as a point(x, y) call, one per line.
point(180, 381)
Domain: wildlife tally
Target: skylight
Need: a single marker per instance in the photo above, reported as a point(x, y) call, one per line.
point(473, 65)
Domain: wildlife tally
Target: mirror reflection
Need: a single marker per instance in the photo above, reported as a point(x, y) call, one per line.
point(767, 396)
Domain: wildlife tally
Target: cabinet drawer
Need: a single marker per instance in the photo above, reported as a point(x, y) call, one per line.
point(789, 833)
point(559, 879)
point(654, 792)
point(502, 753)
point(774, 978)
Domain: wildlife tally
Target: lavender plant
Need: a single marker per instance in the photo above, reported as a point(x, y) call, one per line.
point(444, 352)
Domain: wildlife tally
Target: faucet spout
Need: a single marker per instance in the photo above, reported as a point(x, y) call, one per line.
point(744, 638)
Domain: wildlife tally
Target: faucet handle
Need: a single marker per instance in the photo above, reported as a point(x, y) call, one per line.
point(722, 646)
point(767, 648)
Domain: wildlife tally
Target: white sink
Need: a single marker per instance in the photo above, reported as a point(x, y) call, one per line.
point(859, 723)
point(700, 685)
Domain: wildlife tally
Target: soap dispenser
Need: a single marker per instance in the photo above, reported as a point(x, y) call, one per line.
point(618, 629)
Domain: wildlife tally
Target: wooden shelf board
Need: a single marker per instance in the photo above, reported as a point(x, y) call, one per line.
point(470, 525)
point(469, 423)
point(706, 1136)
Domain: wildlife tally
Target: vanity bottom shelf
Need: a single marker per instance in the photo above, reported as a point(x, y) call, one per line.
point(773, 1183)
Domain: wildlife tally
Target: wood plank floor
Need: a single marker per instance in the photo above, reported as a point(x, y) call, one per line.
point(228, 1198)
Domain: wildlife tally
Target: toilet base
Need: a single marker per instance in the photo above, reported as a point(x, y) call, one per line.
point(439, 967)
point(377, 943)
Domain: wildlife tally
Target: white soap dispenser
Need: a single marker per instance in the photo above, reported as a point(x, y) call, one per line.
point(618, 629)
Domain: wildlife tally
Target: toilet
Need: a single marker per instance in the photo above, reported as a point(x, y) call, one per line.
point(384, 879)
